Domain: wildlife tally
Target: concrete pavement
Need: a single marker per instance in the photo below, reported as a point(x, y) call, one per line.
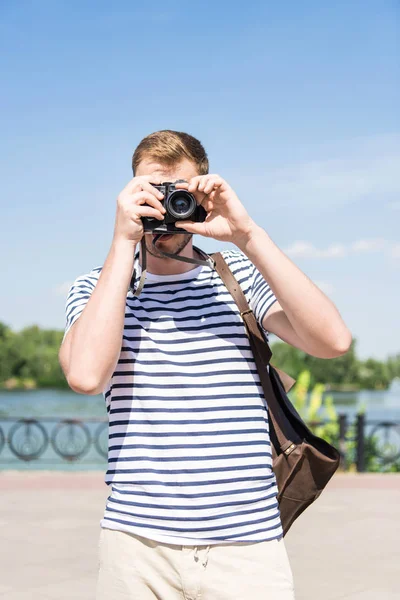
point(346, 546)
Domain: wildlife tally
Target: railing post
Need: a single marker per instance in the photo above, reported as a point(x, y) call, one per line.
point(342, 441)
point(361, 443)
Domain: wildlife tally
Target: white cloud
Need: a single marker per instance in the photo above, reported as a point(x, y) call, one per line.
point(336, 181)
point(63, 288)
point(325, 286)
point(355, 170)
point(307, 250)
point(302, 249)
point(335, 251)
point(373, 245)
point(395, 251)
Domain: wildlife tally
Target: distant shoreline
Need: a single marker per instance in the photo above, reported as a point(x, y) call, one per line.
point(345, 388)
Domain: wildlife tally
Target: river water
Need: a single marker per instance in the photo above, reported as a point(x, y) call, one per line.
point(58, 404)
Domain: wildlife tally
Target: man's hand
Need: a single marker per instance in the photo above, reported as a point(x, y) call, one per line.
point(227, 220)
point(138, 199)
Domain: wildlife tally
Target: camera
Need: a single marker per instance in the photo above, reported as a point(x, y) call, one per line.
point(180, 205)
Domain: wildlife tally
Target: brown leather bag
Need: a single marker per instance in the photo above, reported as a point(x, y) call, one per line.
point(302, 462)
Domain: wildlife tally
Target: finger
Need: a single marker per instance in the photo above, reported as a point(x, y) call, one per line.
point(203, 182)
point(150, 188)
point(202, 201)
point(147, 198)
point(152, 178)
point(182, 184)
point(194, 183)
point(210, 185)
point(133, 185)
point(199, 198)
point(137, 182)
point(147, 211)
point(192, 227)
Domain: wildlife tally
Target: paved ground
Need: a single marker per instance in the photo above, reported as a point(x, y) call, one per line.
point(345, 546)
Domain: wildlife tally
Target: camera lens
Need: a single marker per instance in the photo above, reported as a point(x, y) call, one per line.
point(181, 205)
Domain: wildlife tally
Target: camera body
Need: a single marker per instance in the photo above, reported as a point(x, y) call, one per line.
point(180, 205)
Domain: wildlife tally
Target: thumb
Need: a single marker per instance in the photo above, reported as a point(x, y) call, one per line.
point(191, 227)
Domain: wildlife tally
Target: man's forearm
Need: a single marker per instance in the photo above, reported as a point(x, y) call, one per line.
point(96, 337)
point(311, 314)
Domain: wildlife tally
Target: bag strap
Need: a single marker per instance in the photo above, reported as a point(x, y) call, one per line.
point(246, 313)
point(260, 348)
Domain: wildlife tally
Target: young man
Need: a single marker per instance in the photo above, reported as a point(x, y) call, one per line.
point(192, 509)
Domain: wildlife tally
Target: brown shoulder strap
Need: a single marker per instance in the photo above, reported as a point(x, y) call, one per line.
point(237, 294)
point(260, 348)
point(245, 311)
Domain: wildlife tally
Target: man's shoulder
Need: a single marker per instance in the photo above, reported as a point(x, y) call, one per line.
point(236, 260)
point(90, 278)
point(94, 273)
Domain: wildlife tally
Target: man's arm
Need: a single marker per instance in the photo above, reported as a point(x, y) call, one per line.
point(91, 348)
point(303, 316)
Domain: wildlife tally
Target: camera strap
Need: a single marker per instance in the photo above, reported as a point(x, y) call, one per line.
point(207, 261)
point(143, 273)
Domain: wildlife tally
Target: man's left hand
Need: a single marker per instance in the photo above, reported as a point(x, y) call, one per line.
point(227, 220)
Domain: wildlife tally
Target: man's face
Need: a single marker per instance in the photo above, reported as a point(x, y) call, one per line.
point(173, 244)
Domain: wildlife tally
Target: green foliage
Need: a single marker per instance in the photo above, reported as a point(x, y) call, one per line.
point(393, 366)
point(374, 449)
point(299, 394)
point(343, 372)
point(374, 374)
point(29, 358)
point(313, 407)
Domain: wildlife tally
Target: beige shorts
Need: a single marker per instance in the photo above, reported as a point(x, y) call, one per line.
point(132, 567)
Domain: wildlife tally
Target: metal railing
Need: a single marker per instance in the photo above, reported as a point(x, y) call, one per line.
point(68, 439)
point(381, 442)
point(367, 444)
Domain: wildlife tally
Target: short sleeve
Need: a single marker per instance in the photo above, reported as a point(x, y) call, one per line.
point(257, 291)
point(261, 296)
point(78, 296)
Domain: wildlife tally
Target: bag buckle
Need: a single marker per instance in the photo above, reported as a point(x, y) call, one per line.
point(246, 312)
point(290, 449)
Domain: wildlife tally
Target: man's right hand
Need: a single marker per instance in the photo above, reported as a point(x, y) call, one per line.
point(138, 199)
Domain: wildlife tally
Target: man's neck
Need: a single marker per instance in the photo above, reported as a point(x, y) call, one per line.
point(170, 266)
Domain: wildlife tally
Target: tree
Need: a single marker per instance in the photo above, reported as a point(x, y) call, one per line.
point(393, 365)
point(340, 370)
point(287, 358)
point(31, 354)
point(330, 371)
point(344, 370)
point(374, 375)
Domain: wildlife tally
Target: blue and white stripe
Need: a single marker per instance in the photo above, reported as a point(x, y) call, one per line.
point(189, 458)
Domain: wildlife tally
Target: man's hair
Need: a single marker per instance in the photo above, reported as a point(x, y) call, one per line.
point(169, 148)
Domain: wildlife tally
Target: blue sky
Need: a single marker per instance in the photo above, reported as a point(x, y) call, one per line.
point(296, 104)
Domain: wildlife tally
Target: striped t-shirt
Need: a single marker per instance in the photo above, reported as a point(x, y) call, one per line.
point(189, 457)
